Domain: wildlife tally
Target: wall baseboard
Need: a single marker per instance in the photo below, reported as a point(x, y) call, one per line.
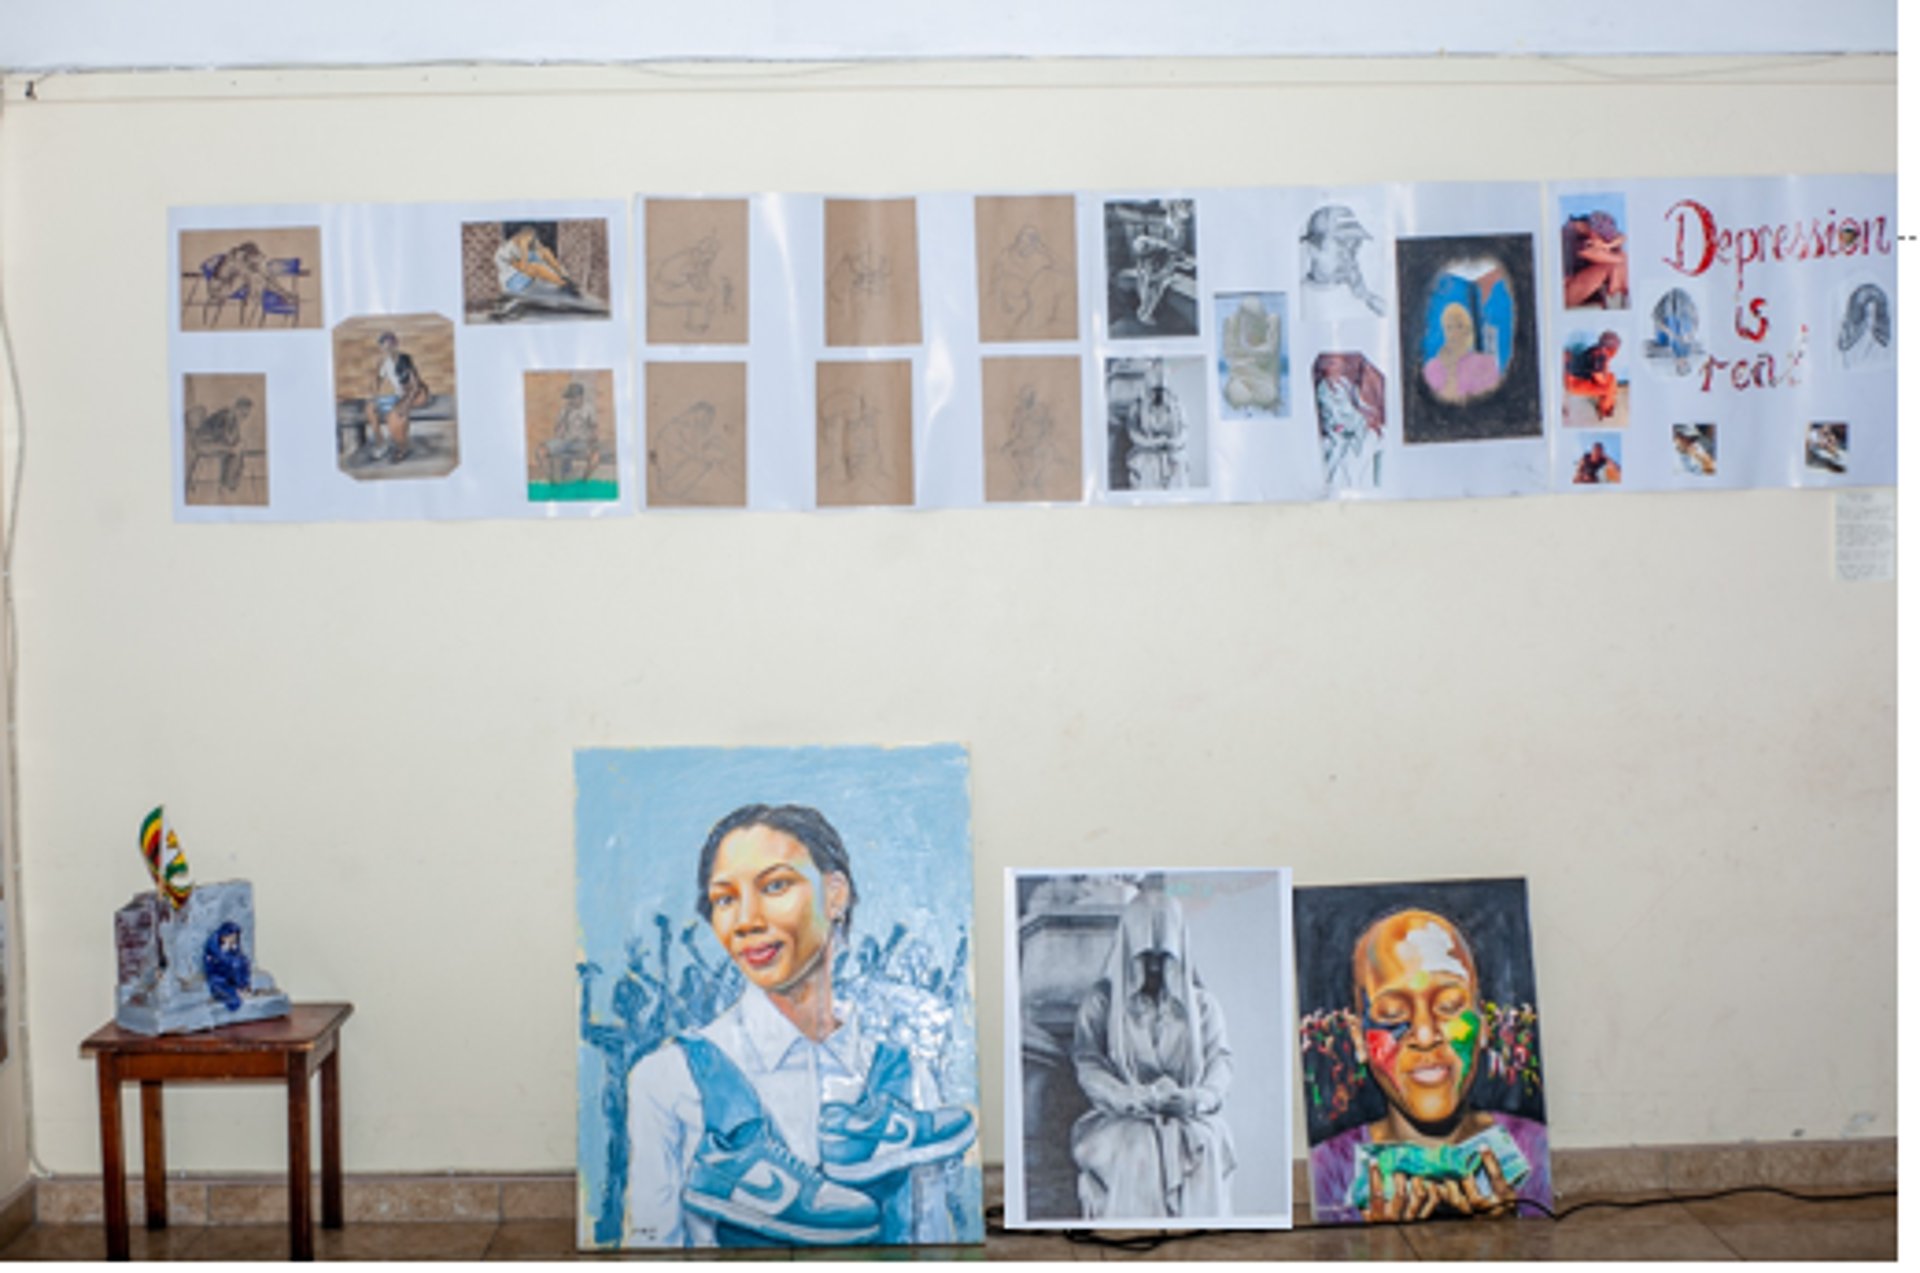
point(483, 1197)
point(16, 1213)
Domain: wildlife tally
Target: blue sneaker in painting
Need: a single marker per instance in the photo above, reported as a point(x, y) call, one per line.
point(882, 1133)
point(749, 1179)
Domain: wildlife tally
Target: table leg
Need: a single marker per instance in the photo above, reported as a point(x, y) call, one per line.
point(332, 1212)
point(113, 1165)
point(299, 1156)
point(153, 1148)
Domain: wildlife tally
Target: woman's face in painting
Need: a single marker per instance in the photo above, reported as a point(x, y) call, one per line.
point(772, 908)
point(1457, 325)
point(1420, 1017)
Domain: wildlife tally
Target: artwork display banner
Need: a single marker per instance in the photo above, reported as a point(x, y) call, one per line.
point(847, 353)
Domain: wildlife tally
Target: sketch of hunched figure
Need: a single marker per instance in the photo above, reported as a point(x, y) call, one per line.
point(1349, 395)
point(1250, 345)
point(573, 451)
point(695, 447)
point(1161, 255)
point(1150, 1051)
point(860, 277)
point(1866, 333)
point(216, 435)
point(1027, 285)
point(686, 281)
point(1331, 251)
point(1676, 331)
point(1157, 435)
point(852, 454)
point(1030, 444)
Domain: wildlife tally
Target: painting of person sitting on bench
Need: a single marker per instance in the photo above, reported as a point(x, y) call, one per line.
point(250, 280)
point(394, 403)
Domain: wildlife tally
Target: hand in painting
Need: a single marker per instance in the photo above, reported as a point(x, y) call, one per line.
point(1418, 1197)
point(1498, 1198)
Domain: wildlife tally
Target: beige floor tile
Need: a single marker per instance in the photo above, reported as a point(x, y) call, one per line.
point(257, 1242)
point(1813, 1240)
point(1652, 1206)
point(1348, 1242)
point(89, 1242)
point(1037, 1244)
point(1545, 1240)
point(1773, 1208)
point(555, 1199)
point(533, 1240)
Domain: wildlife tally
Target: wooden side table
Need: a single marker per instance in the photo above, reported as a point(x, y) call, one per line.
point(287, 1049)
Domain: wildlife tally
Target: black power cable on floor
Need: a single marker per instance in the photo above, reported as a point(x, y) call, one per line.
point(1143, 1242)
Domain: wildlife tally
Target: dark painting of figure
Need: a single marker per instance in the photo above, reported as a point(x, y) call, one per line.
point(1420, 1051)
point(1469, 340)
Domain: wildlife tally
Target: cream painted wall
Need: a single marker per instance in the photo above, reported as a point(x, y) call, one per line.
point(1660, 709)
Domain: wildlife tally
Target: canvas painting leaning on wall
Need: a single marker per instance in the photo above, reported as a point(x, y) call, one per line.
point(1420, 1051)
point(776, 999)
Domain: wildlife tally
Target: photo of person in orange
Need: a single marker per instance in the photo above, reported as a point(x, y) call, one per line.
point(1590, 374)
point(1420, 1052)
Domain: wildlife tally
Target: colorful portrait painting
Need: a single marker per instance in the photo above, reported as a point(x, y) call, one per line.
point(777, 1043)
point(1150, 1010)
point(1469, 345)
point(1420, 1051)
point(396, 414)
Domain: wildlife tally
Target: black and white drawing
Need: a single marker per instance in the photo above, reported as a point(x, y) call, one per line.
point(1330, 265)
point(1153, 287)
point(1866, 329)
point(1150, 1009)
point(1156, 424)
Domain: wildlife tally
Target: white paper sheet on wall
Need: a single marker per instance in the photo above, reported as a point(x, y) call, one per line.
point(961, 350)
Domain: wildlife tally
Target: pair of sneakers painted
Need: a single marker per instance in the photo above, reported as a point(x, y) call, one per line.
point(749, 1178)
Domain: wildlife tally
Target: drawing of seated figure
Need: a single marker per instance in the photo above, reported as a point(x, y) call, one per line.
point(244, 274)
point(532, 278)
point(1250, 344)
point(1027, 285)
point(860, 277)
point(1159, 247)
point(693, 449)
point(216, 435)
point(1157, 434)
point(1030, 444)
point(573, 452)
point(1676, 331)
point(852, 454)
point(685, 281)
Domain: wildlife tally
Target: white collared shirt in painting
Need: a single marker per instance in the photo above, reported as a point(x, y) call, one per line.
point(791, 1075)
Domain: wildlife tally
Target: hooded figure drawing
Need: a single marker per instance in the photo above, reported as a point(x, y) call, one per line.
point(1150, 1050)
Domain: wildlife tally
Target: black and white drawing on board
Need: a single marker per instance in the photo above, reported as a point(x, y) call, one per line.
point(1153, 287)
point(1156, 424)
point(1148, 1054)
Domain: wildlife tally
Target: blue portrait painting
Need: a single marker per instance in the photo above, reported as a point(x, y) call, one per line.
point(777, 1043)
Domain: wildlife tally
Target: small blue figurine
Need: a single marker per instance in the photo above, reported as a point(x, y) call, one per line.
point(228, 970)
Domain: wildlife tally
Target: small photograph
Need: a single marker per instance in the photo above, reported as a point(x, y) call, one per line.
point(863, 435)
point(1677, 332)
point(1420, 1051)
point(535, 271)
point(1156, 425)
point(1153, 273)
point(1865, 342)
point(1696, 450)
point(250, 280)
point(394, 404)
point(873, 272)
point(571, 432)
point(696, 435)
point(1330, 264)
point(1030, 426)
point(1253, 354)
point(1598, 463)
point(1596, 386)
point(1827, 447)
point(1593, 250)
point(776, 1034)
point(1024, 251)
point(1350, 400)
point(225, 432)
point(697, 271)
point(1469, 352)
point(1155, 1065)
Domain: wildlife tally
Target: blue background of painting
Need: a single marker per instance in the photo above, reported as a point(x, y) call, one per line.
point(641, 816)
point(1496, 312)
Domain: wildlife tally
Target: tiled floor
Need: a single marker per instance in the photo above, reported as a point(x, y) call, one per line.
point(1755, 1226)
